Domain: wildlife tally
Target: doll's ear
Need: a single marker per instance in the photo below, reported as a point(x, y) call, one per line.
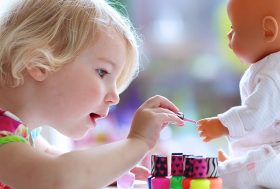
point(37, 73)
point(270, 28)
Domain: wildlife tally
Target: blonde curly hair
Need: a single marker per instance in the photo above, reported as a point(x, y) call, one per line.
point(50, 33)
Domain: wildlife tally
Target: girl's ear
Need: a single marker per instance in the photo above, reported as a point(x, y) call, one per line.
point(270, 28)
point(37, 73)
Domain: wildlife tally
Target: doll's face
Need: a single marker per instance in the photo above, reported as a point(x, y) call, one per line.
point(246, 34)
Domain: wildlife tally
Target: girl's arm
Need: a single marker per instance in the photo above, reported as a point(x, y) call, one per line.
point(23, 167)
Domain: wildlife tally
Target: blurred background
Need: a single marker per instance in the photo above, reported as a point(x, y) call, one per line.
point(184, 57)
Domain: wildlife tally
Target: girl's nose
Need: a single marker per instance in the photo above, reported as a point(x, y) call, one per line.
point(113, 97)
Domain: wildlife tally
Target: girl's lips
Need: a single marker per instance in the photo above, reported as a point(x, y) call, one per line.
point(97, 116)
point(93, 117)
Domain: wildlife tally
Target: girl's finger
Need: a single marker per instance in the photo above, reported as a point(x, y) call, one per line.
point(168, 116)
point(160, 101)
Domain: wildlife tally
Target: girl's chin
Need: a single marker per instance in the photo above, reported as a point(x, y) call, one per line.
point(81, 131)
point(92, 121)
point(78, 135)
point(77, 130)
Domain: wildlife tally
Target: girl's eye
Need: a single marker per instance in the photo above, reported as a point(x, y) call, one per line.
point(101, 72)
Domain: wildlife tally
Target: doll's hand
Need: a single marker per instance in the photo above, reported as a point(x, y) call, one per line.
point(151, 117)
point(211, 128)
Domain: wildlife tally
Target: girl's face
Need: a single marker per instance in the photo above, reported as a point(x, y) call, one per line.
point(245, 36)
point(84, 89)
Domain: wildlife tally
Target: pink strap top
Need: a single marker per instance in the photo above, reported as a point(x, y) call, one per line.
point(12, 130)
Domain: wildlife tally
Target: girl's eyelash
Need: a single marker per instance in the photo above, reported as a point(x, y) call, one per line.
point(101, 72)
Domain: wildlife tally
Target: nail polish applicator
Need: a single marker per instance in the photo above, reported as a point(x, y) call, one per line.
point(181, 116)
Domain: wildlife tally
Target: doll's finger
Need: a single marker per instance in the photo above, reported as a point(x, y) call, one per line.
point(201, 122)
point(202, 135)
point(198, 123)
point(206, 139)
point(200, 129)
point(203, 138)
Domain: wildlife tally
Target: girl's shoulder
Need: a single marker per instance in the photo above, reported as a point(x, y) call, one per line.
point(12, 130)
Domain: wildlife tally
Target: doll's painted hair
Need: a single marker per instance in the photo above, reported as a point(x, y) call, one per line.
point(50, 33)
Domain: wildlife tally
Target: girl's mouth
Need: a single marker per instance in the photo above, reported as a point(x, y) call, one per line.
point(94, 117)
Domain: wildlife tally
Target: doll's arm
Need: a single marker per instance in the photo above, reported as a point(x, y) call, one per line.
point(257, 111)
point(211, 128)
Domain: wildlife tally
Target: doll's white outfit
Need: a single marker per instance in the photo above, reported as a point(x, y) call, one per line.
point(254, 129)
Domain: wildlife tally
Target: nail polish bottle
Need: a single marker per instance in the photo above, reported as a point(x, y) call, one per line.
point(177, 171)
point(200, 184)
point(186, 183)
point(216, 183)
point(199, 167)
point(212, 165)
point(159, 169)
point(212, 173)
point(188, 171)
point(150, 182)
point(194, 167)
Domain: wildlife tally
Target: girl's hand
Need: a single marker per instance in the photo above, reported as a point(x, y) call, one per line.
point(211, 128)
point(140, 172)
point(151, 117)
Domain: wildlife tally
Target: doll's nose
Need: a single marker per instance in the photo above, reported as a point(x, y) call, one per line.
point(229, 35)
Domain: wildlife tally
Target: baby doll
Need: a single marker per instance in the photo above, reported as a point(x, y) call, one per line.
point(253, 126)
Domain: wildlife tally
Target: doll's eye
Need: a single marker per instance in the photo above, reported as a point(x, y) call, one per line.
point(101, 72)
